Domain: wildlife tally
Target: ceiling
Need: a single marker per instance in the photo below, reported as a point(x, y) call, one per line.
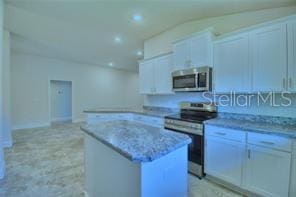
point(84, 30)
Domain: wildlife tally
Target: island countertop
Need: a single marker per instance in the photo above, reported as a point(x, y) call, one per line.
point(135, 141)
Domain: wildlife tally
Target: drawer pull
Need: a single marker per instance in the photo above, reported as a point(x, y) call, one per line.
point(220, 133)
point(267, 143)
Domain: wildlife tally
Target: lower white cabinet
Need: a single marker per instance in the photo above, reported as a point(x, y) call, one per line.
point(267, 171)
point(93, 118)
point(258, 163)
point(224, 159)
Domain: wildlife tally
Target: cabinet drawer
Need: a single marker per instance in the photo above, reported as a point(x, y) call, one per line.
point(225, 133)
point(270, 141)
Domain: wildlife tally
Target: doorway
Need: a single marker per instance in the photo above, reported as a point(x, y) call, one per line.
point(60, 101)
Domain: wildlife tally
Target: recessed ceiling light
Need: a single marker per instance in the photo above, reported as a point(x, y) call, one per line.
point(117, 39)
point(137, 17)
point(139, 53)
point(110, 64)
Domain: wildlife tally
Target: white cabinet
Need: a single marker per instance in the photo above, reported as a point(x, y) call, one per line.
point(268, 171)
point(163, 74)
point(255, 162)
point(195, 51)
point(231, 64)
point(93, 118)
point(155, 75)
point(269, 58)
point(146, 75)
point(224, 159)
point(182, 55)
point(292, 56)
point(201, 50)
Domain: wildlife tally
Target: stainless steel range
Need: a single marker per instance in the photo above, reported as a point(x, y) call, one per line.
point(190, 121)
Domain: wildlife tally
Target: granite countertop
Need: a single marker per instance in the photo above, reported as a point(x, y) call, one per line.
point(148, 112)
point(280, 128)
point(135, 141)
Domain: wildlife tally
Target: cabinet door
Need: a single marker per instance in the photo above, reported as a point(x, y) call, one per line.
point(181, 55)
point(269, 58)
point(146, 77)
point(224, 159)
point(292, 56)
point(163, 77)
point(267, 171)
point(231, 65)
point(201, 50)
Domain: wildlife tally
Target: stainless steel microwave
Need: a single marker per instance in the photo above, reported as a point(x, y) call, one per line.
point(192, 79)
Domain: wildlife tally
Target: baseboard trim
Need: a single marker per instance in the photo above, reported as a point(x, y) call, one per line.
point(30, 126)
point(7, 144)
point(61, 119)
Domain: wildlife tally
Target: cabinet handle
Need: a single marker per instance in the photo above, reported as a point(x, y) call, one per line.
point(220, 133)
point(249, 154)
point(284, 83)
point(267, 143)
point(290, 83)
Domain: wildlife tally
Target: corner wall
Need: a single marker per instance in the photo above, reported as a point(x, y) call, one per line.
point(92, 87)
point(2, 163)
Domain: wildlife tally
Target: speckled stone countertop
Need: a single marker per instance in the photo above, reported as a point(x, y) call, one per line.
point(281, 126)
point(136, 141)
point(149, 111)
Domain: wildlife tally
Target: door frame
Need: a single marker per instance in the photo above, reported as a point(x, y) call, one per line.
point(49, 97)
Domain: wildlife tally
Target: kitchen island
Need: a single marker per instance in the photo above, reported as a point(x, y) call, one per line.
point(127, 158)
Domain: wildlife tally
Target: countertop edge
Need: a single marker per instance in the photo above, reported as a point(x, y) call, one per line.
point(130, 157)
point(250, 129)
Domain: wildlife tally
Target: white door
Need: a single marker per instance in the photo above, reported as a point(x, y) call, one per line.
point(269, 58)
point(146, 76)
point(268, 171)
point(231, 65)
point(182, 55)
point(163, 77)
point(201, 50)
point(224, 159)
point(61, 100)
point(292, 56)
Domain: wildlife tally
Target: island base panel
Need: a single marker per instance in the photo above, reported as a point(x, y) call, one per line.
point(109, 174)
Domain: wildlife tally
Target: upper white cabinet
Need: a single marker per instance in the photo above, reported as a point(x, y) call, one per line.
point(231, 64)
point(269, 58)
point(182, 55)
point(292, 56)
point(146, 76)
point(193, 52)
point(155, 75)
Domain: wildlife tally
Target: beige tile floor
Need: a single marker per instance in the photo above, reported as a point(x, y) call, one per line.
point(49, 162)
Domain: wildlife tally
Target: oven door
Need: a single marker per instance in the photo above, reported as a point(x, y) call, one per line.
point(195, 153)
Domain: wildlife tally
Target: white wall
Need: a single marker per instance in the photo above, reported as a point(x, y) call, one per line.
point(7, 141)
point(1, 93)
point(162, 43)
point(61, 100)
point(92, 87)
